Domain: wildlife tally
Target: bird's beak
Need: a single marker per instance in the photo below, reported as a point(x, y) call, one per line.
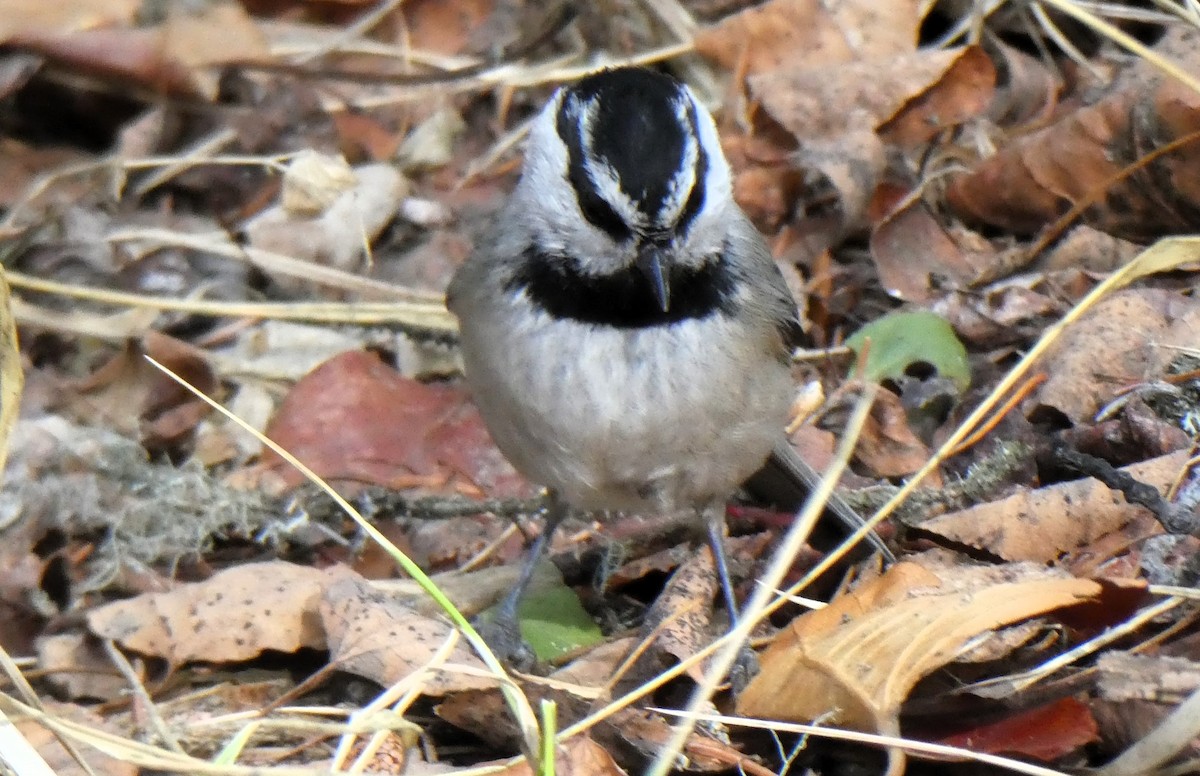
point(649, 261)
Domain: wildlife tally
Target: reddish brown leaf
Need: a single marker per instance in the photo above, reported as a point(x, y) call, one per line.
point(1045, 733)
point(355, 418)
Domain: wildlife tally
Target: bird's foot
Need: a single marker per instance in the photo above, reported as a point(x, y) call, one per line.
point(502, 634)
point(744, 668)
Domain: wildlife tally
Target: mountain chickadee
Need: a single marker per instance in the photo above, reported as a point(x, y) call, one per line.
point(625, 331)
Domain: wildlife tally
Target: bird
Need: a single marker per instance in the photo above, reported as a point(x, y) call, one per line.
point(624, 330)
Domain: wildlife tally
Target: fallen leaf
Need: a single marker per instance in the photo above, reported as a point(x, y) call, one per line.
point(888, 446)
point(76, 665)
point(899, 341)
point(577, 756)
point(233, 616)
point(1048, 523)
point(1047, 733)
point(679, 621)
point(1034, 179)
point(133, 396)
point(791, 33)
point(355, 419)
point(337, 233)
point(859, 657)
point(908, 97)
point(21, 16)
point(60, 760)
point(384, 639)
point(1128, 338)
point(916, 256)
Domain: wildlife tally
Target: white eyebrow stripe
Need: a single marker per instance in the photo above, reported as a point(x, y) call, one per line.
point(605, 178)
point(680, 187)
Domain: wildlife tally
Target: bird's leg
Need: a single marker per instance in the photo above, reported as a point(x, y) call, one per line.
point(502, 631)
point(747, 664)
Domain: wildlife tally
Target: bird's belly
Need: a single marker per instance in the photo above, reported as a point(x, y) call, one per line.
point(655, 419)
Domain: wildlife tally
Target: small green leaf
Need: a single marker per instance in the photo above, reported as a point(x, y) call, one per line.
point(554, 622)
point(899, 340)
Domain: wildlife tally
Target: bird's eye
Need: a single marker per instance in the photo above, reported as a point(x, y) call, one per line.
point(601, 214)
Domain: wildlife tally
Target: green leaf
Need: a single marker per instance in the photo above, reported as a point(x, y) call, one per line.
point(899, 340)
point(554, 622)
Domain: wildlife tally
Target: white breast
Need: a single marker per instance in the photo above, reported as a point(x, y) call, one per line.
point(626, 419)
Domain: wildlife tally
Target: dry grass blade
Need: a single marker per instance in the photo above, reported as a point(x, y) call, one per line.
point(1169, 738)
point(1163, 256)
point(515, 698)
point(17, 755)
point(1124, 40)
point(760, 603)
point(12, 378)
point(15, 747)
point(914, 747)
point(430, 315)
point(145, 755)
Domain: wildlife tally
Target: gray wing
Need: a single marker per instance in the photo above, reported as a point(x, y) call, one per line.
point(787, 480)
point(773, 299)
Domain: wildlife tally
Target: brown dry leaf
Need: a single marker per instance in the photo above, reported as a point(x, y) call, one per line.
point(911, 251)
point(21, 164)
point(445, 28)
point(177, 58)
point(131, 395)
point(952, 86)
point(76, 665)
point(22, 16)
point(1126, 676)
point(1027, 91)
point(575, 687)
point(355, 418)
point(133, 56)
point(679, 621)
point(1134, 693)
point(1032, 180)
point(1011, 311)
point(220, 34)
point(233, 616)
point(337, 233)
point(800, 33)
point(362, 136)
point(907, 97)
point(1088, 249)
point(1127, 339)
point(648, 733)
point(1045, 524)
point(850, 164)
point(859, 657)
point(887, 445)
point(767, 184)
point(843, 79)
point(21, 571)
point(384, 639)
